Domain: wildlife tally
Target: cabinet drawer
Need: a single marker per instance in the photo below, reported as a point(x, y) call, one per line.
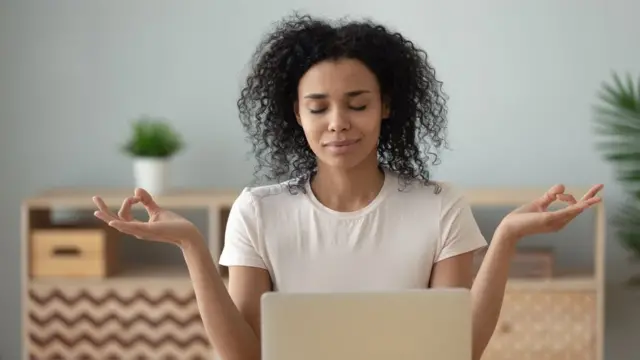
point(545, 326)
point(114, 320)
point(73, 252)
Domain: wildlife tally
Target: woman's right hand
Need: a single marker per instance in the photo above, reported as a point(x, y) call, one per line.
point(163, 225)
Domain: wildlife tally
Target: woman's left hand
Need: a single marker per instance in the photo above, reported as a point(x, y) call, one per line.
point(534, 218)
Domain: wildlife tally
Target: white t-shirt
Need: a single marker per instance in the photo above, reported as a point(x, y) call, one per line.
point(391, 244)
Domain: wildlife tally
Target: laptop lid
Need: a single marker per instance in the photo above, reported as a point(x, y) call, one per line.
point(407, 325)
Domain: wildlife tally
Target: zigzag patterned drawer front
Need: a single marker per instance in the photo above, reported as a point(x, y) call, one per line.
point(90, 321)
point(541, 325)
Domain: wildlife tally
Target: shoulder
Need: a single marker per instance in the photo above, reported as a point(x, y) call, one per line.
point(451, 195)
point(266, 196)
point(437, 195)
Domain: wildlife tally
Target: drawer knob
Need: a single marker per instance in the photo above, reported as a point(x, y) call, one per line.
point(66, 251)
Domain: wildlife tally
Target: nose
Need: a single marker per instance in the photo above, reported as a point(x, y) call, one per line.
point(339, 121)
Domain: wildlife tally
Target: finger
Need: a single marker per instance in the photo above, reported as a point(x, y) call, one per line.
point(568, 198)
point(141, 230)
point(593, 191)
point(104, 209)
point(135, 228)
point(574, 210)
point(147, 200)
point(550, 196)
point(592, 201)
point(102, 216)
point(125, 210)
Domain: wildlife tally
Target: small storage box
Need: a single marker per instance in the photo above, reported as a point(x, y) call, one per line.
point(73, 251)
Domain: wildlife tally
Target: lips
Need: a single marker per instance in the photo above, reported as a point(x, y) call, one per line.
point(341, 143)
point(341, 147)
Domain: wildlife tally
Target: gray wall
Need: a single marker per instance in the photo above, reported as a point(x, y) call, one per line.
point(521, 76)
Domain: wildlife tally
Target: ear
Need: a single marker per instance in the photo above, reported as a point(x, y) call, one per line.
point(386, 108)
point(296, 111)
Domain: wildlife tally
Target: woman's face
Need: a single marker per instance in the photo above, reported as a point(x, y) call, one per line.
point(340, 110)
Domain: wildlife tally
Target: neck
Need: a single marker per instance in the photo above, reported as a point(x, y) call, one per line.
point(347, 189)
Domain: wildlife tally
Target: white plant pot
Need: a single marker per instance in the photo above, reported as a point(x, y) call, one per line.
point(151, 174)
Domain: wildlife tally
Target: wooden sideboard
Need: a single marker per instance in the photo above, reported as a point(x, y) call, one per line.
point(145, 312)
point(151, 312)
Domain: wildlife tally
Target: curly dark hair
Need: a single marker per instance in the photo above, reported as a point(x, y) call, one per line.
point(408, 139)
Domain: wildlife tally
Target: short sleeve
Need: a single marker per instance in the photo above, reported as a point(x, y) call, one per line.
point(241, 234)
point(459, 230)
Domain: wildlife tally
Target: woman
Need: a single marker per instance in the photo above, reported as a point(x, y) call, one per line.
point(346, 118)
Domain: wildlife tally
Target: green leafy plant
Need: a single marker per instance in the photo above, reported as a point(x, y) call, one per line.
point(618, 121)
point(153, 137)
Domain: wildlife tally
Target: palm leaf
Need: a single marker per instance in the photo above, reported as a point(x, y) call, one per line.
point(627, 224)
point(617, 119)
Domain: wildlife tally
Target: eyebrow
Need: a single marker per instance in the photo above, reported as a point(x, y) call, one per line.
point(324, 96)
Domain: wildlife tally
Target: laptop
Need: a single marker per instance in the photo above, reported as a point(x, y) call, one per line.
point(408, 325)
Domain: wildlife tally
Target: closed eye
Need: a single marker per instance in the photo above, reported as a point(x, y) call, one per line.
point(356, 108)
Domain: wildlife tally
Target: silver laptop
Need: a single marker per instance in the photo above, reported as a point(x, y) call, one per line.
point(408, 325)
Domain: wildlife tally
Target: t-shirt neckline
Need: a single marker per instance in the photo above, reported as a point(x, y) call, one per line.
point(351, 214)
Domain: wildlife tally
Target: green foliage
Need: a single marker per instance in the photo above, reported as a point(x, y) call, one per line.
point(618, 121)
point(153, 137)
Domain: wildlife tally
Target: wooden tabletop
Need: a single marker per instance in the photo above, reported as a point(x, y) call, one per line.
point(113, 197)
point(205, 197)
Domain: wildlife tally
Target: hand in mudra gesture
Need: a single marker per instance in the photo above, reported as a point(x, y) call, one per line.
point(534, 218)
point(163, 225)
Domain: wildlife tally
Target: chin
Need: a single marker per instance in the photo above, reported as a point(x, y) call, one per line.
point(343, 164)
point(343, 161)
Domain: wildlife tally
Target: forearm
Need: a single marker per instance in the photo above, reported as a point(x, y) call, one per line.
point(487, 291)
point(230, 335)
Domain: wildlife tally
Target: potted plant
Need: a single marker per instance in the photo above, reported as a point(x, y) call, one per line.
point(152, 144)
point(618, 120)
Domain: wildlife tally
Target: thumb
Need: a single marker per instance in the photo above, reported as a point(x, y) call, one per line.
point(145, 230)
point(138, 229)
point(147, 200)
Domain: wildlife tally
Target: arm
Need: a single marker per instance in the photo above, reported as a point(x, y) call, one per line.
point(231, 325)
point(459, 234)
point(460, 237)
point(487, 291)
point(230, 318)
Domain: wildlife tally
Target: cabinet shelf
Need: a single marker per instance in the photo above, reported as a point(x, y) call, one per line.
point(179, 276)
point(563, 283)
point(148, 275)
point(159, 275)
